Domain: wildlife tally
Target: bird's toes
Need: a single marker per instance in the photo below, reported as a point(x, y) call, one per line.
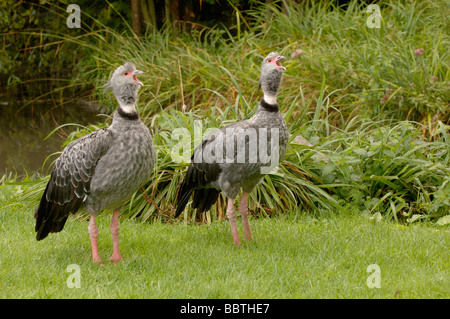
point(97, 261)
point(115, 259)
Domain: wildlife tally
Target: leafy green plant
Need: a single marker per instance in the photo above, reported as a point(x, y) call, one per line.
point(392, 170)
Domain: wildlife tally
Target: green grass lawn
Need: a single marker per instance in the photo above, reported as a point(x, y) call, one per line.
point(295, 257)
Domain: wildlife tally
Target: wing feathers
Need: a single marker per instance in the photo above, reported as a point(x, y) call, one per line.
point(69, 184)
point(198, 175)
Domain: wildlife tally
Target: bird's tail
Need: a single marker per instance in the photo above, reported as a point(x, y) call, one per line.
point(182, 199)
point(196, 181)
point(204, 198)
point(50, 216)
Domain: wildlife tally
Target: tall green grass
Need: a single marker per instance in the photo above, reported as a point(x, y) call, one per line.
point(365, 65)
point(375, 112)
point(365, 62)
point(375, 70)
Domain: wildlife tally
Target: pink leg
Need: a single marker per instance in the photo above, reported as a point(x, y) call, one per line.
point(93, 235)
point(231, 214)
point(243, 208)
point(114, 226)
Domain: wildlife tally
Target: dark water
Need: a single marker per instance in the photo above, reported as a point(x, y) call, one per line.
point(24, 127)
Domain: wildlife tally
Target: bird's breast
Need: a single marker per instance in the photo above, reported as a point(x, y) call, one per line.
point(126, 166)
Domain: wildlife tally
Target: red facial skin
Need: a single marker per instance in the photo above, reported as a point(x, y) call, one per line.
point(276, 61)
point(131, 74)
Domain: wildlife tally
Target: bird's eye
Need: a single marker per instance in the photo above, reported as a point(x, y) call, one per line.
point(125, 73)
point(270, 60)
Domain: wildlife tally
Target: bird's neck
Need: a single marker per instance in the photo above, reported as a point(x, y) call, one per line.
point(269, 103)
point(270, 98)
point(128, 111)
point(270, 82)
point(127, 98)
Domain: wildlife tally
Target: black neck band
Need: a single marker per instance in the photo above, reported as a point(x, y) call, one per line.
point(128, 116)
point(269, 107)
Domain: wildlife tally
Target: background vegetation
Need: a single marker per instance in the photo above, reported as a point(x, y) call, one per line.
point(373, 103)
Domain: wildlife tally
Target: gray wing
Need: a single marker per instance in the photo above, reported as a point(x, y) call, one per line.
point(245, 152)
point(69, 184)
point(205, 168)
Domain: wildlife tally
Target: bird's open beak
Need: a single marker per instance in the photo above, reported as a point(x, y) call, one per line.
point(135, 73)
point(278, 62)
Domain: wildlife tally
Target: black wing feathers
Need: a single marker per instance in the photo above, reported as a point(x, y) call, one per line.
point(197, 178)
point(204, 198)
point(69, 184)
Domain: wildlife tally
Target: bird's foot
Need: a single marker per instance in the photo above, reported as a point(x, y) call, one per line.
point(247, 232)
point(249, 237)
point(115, 258)
point(97, 260)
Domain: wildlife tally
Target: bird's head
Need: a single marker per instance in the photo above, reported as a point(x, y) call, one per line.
point(271, 72)
point(272, 62)
point(124, 76)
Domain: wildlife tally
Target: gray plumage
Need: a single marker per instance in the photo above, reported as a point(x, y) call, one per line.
point(102, 169)
point(232, 158)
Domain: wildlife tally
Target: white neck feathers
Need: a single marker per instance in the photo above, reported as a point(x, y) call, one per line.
point(128, 108)
point(270, 99)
